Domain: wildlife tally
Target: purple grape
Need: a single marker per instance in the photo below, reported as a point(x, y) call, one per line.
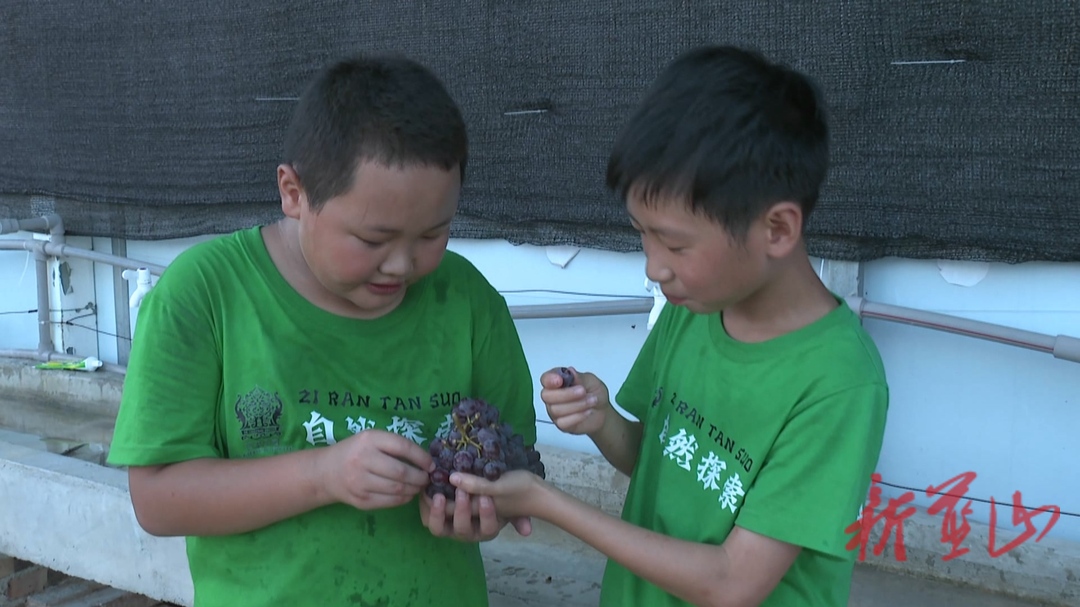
point(463, 461)
point(493, 470)
point(567, 377)
point(440, 476)
point(478, 465)
point(489, 416)
point(445, 459)
point(491, 449)
point(435, 488)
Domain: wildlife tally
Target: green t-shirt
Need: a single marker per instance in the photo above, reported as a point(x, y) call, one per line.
point(779, 438)
point(229, 361)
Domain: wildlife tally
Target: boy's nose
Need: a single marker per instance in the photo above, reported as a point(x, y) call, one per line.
point(399, 264)
point(657, 272)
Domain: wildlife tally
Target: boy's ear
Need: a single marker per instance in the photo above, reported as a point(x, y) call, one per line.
point(293, 197)
point(783, 224)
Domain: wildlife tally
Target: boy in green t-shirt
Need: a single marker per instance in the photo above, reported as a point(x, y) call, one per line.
point(760, 400)
point(286, 380)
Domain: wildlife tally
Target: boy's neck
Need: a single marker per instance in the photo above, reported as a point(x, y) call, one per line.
point(792, 299)
point(282, 242)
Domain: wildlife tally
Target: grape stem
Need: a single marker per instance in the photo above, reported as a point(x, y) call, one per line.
point(464, 432)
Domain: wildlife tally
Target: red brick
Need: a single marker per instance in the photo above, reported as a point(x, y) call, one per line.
point(10, 564)
point(24, 582)
point(66, 591)
point(56, 577)
point(109, 597)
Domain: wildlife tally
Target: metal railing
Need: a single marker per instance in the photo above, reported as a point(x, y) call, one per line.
point(1060, 346)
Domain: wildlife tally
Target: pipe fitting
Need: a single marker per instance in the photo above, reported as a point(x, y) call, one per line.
point(142, 276)
point(1067, 348)
point(8, 226)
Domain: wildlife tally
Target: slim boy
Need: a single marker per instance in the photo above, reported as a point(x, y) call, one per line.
point(760, 400)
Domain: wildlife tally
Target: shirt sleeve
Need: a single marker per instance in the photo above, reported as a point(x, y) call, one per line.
point(500, 371)
point(816, 476)
point(173, 382)
point(637, 391)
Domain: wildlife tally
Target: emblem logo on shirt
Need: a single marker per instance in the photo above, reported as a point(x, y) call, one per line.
point(259, 412)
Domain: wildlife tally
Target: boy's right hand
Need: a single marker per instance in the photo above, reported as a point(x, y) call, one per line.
point(579, 409)
point(374, 469)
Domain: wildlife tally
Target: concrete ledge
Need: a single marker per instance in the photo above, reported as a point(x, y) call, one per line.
point(97, 392)
point(1045, 571)
point(76, 517)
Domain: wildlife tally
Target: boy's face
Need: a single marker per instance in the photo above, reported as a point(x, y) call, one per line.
point(695, 260)
point(390, 229)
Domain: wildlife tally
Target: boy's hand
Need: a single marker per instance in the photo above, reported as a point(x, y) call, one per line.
point(514, 494)
point(579, 409)
point(466, 518)
point(373, 469)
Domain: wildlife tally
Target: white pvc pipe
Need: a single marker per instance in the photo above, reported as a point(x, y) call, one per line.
point(1061, 346)
point(44, 318)
point(63, 250)
point(590, 308)
point(53, 224)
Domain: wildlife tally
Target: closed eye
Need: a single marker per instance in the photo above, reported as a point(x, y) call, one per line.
point(370, 243)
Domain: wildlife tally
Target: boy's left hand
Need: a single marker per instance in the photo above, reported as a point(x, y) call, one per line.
point(466, 518)
point(515, 493)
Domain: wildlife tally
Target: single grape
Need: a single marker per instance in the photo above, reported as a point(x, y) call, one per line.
point(445, 459)
point(463, 461)
point(491, 449)
point(493, 470)
point(489, 416)
point(436, 446)
point(538, 469)
point(567, 377)
point(440, 476)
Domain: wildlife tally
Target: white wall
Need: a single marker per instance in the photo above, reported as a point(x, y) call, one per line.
point(957, 405)
point(18, 294)
point(962, 405)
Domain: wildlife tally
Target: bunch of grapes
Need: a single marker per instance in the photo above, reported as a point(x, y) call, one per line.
point(478, 443)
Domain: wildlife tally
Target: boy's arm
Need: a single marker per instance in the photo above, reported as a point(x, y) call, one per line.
point(742, 571)
point(585, 408)
point(210, 496)
point(619, 440)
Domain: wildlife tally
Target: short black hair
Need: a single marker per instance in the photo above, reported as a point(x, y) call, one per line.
point(388, 109)
point(730, 133)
